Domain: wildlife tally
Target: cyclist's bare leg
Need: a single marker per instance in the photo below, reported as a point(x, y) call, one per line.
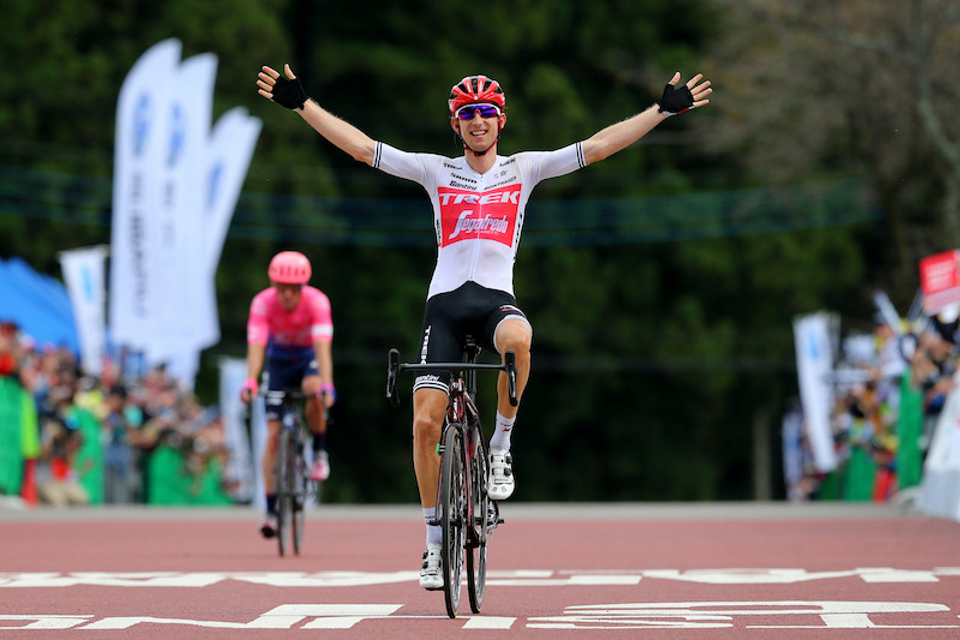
point(429, 407)
point(268, 464)
point(514, 335)
point(269, 460)
point(316, 418)
point(314, 413)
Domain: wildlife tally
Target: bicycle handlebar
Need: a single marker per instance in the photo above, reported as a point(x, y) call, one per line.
point(290, 394)
point(394, 367)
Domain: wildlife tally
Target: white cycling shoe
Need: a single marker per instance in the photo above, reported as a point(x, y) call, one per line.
point(321, 467)
point(501, 483)
point(431, 571)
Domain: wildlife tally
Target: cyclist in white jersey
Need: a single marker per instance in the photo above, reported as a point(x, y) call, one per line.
point(479, 205)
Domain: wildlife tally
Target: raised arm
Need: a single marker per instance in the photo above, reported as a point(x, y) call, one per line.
point(289, 93)
point(617, 137)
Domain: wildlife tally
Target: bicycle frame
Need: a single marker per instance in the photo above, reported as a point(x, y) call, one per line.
point(465, 512)
point(292, 482)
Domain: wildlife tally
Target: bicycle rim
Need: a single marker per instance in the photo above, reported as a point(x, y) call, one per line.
point(284, 491)
point(452, 520)
point(298, 473)
point(477, 553)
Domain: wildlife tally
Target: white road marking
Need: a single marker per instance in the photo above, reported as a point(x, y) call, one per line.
point(519, 578)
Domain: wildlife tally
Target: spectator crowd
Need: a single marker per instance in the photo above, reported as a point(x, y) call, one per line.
point(112, 438)
point(890, 388)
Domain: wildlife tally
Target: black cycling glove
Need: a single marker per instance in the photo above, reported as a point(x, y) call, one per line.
point(289, 93)
point(675, 100)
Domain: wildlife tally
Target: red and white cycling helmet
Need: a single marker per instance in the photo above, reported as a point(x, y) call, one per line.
point(476, 89)
point(290, 267)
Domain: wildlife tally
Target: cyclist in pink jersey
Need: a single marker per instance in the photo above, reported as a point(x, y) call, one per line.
point(479, 204)
point(290, 330)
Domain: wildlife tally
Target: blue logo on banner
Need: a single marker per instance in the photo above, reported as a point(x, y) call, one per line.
point(141, 123)
point(213, 184)
point(87, 283)
point(813, 346)
point(178, 134)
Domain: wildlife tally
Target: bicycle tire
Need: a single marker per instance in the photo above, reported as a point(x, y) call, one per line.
point(284, 490)
point(452, 519)
point(298, 472)
point(477, 547)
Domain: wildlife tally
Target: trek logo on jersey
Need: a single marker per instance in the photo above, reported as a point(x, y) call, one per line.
point(468, 215)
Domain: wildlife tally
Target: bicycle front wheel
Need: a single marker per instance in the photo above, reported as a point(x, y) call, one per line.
point(452, 509)
point(477, 540)
point(298, 472)
point(285, 488)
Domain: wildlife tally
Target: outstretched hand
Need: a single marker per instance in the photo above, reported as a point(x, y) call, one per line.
point(287, 92)
point(689, 96)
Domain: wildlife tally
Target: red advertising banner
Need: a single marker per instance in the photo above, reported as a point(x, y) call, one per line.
point(940, 281)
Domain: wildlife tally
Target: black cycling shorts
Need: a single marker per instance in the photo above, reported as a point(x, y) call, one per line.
point(287, 372)
point(470, 310)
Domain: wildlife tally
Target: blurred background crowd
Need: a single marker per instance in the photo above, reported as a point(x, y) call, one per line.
point(72, 439)
point(890, 389)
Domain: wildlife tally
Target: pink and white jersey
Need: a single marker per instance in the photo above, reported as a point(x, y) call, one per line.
point(270, 323)
point(478, 218)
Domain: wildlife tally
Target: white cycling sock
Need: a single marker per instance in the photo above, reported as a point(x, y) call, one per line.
point(501, 435)
point(434, 532)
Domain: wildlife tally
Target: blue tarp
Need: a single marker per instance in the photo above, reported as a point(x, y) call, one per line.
point(38, 304)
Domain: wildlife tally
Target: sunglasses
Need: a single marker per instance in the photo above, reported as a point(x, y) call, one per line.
point(466, 112)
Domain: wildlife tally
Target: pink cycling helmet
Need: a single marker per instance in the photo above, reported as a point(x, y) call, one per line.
point(290, 267)
point(476, 89)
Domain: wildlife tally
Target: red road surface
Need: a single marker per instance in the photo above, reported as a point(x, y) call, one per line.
point(747, 570)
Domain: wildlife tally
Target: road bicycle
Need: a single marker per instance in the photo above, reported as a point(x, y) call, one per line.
point(465, 512)
point(294, 486)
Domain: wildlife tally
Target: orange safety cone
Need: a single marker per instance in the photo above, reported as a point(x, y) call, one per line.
point(29, 489)
point(885, 485)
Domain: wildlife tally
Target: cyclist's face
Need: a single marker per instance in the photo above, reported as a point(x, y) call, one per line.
point(479, 132)
point(288, 295)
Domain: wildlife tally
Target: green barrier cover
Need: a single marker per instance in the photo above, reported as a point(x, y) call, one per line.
point(909, 429)
point(11, 449)
point(860, 476)
point(29, 427)
point(172, 485)
point(89, 461)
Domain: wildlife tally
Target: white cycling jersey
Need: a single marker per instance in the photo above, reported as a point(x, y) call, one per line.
point(477, 217)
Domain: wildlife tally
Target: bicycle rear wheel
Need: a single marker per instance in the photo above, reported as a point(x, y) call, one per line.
point(285, 456)
point(477, 540)
point(452, 509)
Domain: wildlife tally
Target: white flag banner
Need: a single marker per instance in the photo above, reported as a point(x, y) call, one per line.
point(232, 142)
point(241, 467)
point(814, 370)
point(179, 267)
point(138, 159)
point(183, 366)
point(940, 489)
point(176, 184)
point(85, 277)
